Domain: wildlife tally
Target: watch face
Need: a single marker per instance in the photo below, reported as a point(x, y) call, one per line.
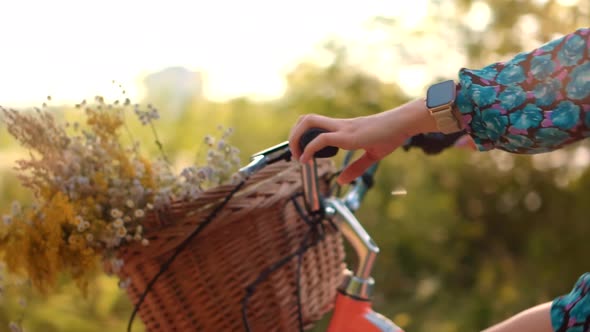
point(440, 94)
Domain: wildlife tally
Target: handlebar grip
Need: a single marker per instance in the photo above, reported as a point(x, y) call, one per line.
point(310, 135)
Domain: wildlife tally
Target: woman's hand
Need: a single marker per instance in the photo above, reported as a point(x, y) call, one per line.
point(378, 135)
point(466, 142)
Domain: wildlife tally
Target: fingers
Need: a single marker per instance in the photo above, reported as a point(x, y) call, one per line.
point(320, 142)
point(356, 169)
point(304, 123)
point(466, 142)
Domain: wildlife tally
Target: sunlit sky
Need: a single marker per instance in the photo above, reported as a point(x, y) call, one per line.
point(74, 49)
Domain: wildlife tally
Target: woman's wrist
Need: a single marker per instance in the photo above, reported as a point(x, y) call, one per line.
point(420, 119)
point(409, 119)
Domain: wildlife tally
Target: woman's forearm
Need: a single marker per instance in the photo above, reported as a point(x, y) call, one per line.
point(415, 114)
point(536, 319)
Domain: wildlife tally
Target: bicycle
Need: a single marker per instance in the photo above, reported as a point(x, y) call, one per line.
point(353, 308)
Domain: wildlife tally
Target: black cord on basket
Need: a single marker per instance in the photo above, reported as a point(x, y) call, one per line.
point(335, 187)
point(298, 278)
point(316, 227)
point(180, 248)
point(264, 275)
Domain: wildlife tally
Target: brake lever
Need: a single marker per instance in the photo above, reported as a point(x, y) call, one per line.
point(279, 150)
point(266, 157)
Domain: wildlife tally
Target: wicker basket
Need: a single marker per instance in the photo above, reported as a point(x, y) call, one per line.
point(204, 289)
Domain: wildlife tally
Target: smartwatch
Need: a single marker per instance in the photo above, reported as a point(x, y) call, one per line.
point(440, 100)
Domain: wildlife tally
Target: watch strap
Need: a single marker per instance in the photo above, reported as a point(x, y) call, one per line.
point(446, 121)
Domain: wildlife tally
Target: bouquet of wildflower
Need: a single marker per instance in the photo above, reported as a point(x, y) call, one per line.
point(91, 192)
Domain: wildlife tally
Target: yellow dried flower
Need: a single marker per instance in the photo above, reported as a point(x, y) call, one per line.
point(139, 213)
point(121, 232)
point(118, 223)
point(116, 213)
point(105, 124)
point(79, 220)
point(100, 182)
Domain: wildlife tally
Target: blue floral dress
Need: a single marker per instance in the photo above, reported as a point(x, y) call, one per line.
point(537, 102)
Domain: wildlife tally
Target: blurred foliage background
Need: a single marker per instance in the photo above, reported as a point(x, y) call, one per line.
point(479, 237)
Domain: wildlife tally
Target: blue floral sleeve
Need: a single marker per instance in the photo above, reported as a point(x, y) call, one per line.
point(536, 102)
point(571, 313)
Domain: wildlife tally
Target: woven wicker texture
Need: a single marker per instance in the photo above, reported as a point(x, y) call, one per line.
point(204, 288)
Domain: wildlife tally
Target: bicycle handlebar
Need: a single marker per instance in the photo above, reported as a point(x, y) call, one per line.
point(309, 135)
